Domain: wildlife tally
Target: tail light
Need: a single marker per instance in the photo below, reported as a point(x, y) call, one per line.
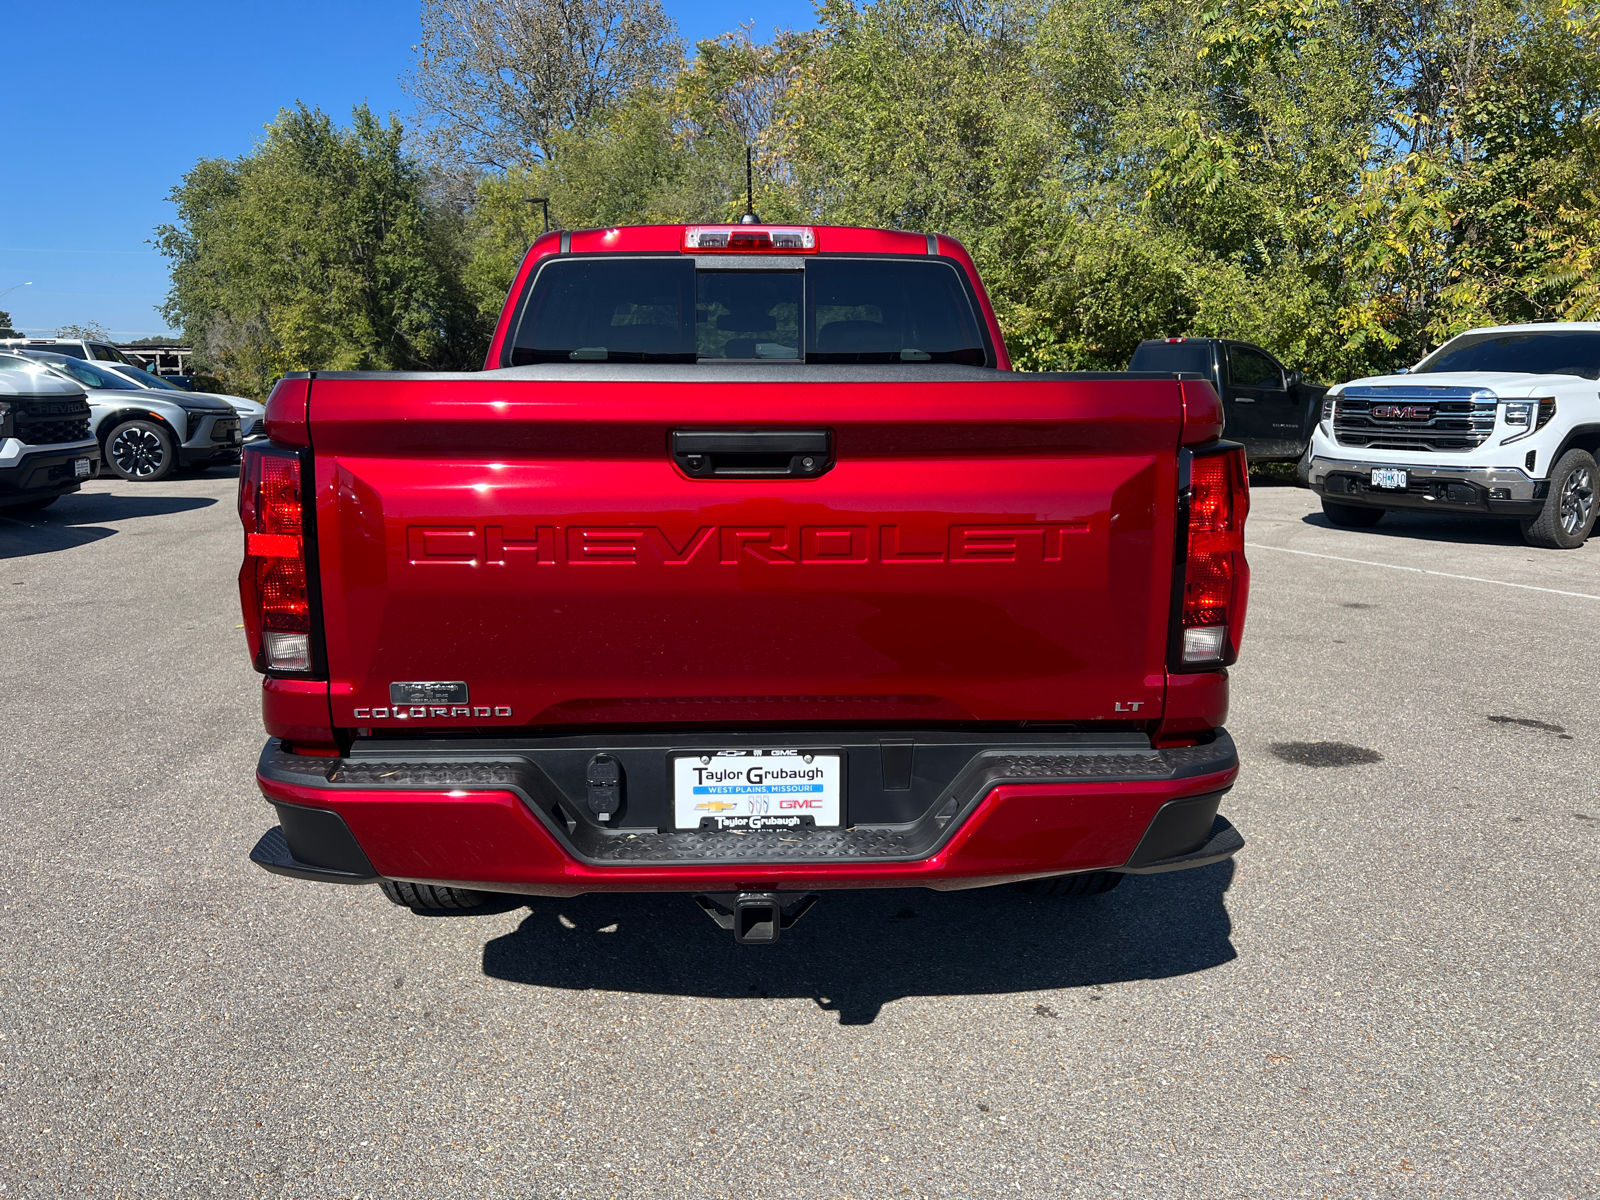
point(762, 239)
point(275, 580)
point(1214, 580)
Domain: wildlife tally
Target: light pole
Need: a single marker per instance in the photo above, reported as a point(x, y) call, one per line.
point(15, 286)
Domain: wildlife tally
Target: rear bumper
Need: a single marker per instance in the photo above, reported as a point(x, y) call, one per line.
point(1497, 491)
point(496, 823)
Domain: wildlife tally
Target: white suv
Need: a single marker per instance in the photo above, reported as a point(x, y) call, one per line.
point(84, 348)
point(1503, 421)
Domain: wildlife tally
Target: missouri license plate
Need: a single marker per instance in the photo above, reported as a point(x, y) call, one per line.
point(744, 790)
point(80, 468)
point(1391, 478)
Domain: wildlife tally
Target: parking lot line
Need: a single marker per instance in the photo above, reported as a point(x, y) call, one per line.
point(1365, 562)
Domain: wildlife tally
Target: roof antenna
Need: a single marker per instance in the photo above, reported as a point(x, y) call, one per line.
point(749, 217)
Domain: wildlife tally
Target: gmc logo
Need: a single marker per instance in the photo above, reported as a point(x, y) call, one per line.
point(735, 545)
point(1401, 412)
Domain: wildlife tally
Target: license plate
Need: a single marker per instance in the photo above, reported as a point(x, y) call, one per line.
point(80, 468)
point(1388, 477)
point(744, 790)
point(235, 436)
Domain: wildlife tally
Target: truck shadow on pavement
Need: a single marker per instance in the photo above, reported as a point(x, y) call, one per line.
point(1435, 527)
point(72, 520)
point(857, 951)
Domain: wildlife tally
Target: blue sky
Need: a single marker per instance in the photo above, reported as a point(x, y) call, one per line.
point(107, 104)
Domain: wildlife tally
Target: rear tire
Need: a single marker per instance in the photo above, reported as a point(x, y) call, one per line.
point(428, 897)
point(1351, 516)
point(1567, 518)
point(142, 451)
point(1092, 883)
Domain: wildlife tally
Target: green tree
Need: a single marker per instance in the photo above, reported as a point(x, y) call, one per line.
point(660, 156)
point(318, 250)
point(1346, 183)
point(5, 325)
point(496, 82)
point(91, 331)
point(1498, 216)
point(1118, 172)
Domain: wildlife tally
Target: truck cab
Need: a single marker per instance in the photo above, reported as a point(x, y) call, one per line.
point(1267, 407)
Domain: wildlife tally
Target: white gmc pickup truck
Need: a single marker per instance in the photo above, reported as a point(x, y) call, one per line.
point(1503, 422)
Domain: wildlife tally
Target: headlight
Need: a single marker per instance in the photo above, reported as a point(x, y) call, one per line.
point(1330, 403)
point(1528, 416)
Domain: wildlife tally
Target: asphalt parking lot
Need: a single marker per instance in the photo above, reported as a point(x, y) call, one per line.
point(1390, 992)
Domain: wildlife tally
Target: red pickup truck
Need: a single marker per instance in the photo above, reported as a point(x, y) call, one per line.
point(746, 569)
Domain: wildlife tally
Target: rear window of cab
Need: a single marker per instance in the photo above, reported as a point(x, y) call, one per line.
point(669, 310)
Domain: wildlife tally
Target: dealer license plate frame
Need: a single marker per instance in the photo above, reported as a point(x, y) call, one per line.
point(764, 806)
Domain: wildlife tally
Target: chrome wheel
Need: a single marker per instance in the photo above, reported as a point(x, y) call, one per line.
point(138, 452)
point(1577, 501)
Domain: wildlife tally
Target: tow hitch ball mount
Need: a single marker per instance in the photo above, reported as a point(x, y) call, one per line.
point(756, 918)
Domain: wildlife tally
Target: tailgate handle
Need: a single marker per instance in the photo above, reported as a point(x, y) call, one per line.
point(752, 453)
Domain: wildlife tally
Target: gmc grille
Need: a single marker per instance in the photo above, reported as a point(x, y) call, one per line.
point(1455, 423)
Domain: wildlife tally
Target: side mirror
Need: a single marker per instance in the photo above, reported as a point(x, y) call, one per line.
point(1294, 379)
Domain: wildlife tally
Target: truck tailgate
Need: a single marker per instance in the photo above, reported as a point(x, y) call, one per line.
point(985, 547)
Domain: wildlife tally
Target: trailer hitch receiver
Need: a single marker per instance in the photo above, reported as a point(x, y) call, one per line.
point(756, 918)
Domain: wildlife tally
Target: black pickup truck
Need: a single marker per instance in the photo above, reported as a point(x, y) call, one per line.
point(1270, 409)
